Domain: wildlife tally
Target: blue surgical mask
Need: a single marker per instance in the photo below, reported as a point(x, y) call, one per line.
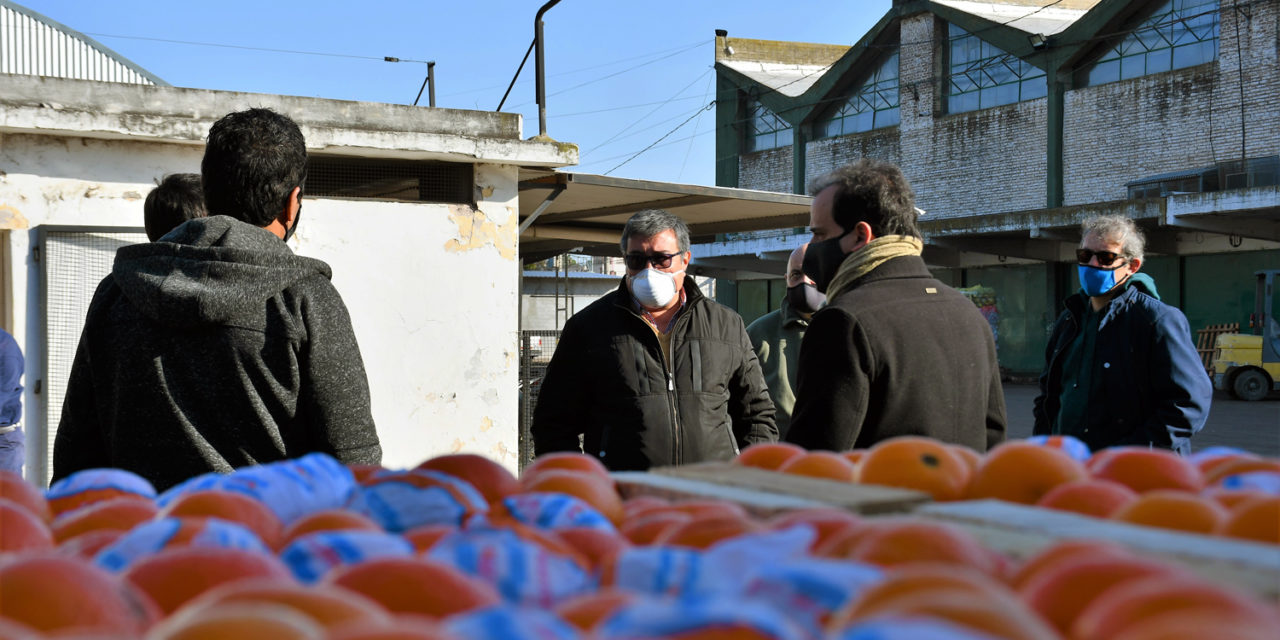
point(1097, 281)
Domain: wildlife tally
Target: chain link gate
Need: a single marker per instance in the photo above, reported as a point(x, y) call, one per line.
point(536, 347)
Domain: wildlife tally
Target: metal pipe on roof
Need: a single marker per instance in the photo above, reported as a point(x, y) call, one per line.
point(540, 71)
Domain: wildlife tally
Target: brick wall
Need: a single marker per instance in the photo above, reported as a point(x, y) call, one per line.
point(826, 154)
point(1183, 119)
point(768, 170)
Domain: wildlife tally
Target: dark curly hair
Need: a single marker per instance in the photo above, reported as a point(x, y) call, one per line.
point(252, 161)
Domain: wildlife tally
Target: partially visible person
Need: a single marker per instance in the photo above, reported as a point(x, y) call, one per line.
point(776, 337)
point(894, 352)
point(12, 440)
point(177, 199)
point(219, 348)
point(653, 373)
point(1120, 367)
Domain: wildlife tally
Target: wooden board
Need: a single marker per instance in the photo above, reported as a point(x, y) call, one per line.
point(1020, 531)
point(757, 503)
point(866, 499)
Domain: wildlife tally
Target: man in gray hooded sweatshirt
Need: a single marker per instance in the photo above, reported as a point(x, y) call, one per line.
point(218, 347)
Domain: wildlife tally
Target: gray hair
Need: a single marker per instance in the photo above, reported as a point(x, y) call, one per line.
point(651, 222)
point(1116, 228)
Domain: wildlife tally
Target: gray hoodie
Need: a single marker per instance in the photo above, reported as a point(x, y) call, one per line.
point(214, 348)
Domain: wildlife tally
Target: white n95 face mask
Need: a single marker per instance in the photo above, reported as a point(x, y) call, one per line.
point(654, 289)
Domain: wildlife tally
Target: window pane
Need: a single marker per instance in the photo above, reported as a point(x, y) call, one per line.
point(784, 138)
point(887, 118)
point(1104, 72)
point(1133, 66)
point(1035, 88)
point(1158, 61)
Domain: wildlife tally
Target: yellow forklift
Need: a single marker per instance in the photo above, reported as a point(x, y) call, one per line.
point(1248, 366)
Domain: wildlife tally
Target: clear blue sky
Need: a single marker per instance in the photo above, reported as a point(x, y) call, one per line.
point(620, 74)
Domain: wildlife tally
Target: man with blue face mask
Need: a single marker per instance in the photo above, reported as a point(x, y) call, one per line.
point(653, 373)
point(1121, 368)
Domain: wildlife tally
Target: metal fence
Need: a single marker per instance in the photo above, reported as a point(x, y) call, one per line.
point(536, 347)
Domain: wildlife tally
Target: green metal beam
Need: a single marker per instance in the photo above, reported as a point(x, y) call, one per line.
point(728, 130)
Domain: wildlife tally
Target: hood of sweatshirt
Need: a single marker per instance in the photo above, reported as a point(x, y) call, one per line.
point(209, 271)
point(1144, 283)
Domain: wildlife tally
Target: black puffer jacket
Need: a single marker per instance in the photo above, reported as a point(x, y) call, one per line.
point(212, 349)
point(608, 382)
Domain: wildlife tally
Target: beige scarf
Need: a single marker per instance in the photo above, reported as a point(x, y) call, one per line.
point(875, 253)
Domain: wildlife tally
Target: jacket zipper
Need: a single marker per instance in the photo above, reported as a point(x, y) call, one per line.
point(677, 456)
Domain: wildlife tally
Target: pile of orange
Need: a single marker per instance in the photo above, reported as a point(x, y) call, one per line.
point(1079, 589)
point(1137, 485)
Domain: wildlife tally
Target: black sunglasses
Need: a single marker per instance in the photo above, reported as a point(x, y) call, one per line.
point(637, 261)
point(1105, 258)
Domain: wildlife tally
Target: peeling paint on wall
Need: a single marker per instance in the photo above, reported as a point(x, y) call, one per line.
point(475, 230)
point(486, 423)
point(11, 218)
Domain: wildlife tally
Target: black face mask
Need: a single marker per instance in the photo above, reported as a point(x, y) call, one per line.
point(822, 260)
point(288, 233)
point(799, 298)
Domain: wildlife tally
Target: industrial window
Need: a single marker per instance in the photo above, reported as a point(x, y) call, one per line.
point(397, 180)
point(1229, 174)
point(765, 129)
point(1177, 34)
point(872, 105)
point(982, 75)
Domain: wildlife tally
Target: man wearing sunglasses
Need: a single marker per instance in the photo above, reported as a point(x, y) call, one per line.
point(1120, 368)
point(653, 373)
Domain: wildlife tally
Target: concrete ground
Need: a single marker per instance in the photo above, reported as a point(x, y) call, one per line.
point(1253, 426)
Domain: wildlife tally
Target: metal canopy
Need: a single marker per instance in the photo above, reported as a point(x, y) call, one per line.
point(585, 213)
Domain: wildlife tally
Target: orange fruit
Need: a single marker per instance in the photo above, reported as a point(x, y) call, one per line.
point(408, 585)
point(426, 536)
point(364, 472)
point(914, 462)
point(994, 614)
point(1060, 592)
point(491, 479)
point(597, 546)
point(173, 576)
point(821, 464)
point(239, 620)
point(1022, 472)
point(1170, 509)
point(401, 628)
point(768, 455)
point(327, 520)
point(21, 530)
point(702, 533)
point(1147, 469)
point(1132, 601)
point(1257, 518)
point(24, 494)
point(1197, 623)
point(50, 593)
point(95, 485)
point(588, 610)
point(1206, 464)
point(116, 514)
point(905, 581)
point(826, 522)
point(597, 491)
point(1229, 498)
point(87, 545)
point(1240, 465)
point(1061, 551)
point(648, 528)
point(565, 461)
point(232, 507)
point(12, 630)
point(1092, 497)
point(708, 507)
point(893, 542)
point(970, 457)
point(637, 506)
point(329, 606)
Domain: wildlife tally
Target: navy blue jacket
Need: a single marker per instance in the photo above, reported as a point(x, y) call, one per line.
point(1155, 390)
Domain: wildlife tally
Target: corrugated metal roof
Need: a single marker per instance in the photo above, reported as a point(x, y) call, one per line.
point(1040, 17)
point(32, 44)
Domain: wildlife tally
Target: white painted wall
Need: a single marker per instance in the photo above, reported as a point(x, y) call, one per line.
point(431, 288)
